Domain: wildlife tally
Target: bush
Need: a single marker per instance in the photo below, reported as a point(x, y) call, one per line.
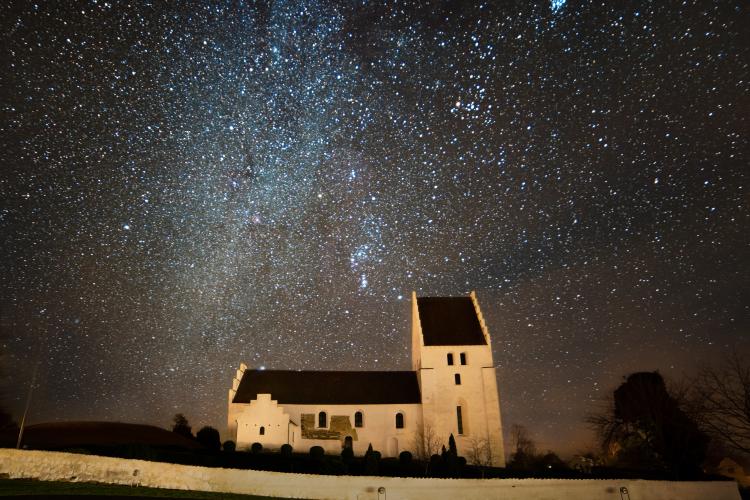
point(372, 461)
point(209, 437)
point(404, 458)
point(286, 450)
point(347, 454)
point(256, 448)
point(317, 452)
point(230, 446)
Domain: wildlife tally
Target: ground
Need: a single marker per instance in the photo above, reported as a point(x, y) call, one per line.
point(59, 489)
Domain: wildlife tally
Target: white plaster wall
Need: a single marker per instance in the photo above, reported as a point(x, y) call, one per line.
point(379, 427)
point(477, 394)
point(56, 466)
point(261, 412)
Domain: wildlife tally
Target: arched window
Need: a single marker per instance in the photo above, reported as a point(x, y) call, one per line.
point(322, 419)
point(358, 419)
point(399, 420)
point(450, 358)
point(262, 430)
point(463, 358)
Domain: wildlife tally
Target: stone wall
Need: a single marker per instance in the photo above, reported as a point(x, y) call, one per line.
point(46, 465)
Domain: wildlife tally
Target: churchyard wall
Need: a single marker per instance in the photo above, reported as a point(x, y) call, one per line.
point(57, 466)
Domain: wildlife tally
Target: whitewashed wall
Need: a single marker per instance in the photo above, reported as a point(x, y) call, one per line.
point(379, 426)
point(45, 465)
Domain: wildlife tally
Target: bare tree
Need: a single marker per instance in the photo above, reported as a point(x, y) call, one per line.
point(480, 453)
point(524, 448)
point(426, 442)
point(521, 440)
point(720, 401)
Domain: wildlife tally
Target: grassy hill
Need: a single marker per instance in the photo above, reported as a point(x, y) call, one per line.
point(59, 435)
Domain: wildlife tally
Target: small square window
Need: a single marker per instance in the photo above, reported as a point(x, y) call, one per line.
point(458, 379)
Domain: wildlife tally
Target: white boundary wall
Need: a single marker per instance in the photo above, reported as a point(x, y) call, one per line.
point(47, 465)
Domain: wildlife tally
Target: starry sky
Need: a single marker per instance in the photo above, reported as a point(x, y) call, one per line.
point(188, 185)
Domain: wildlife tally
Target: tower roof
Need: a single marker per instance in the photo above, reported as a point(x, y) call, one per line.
point(333, 387)
point(449, 321)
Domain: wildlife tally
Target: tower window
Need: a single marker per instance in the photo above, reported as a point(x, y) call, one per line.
point(399, 420)
point(450, 359)
point(358, 419)
point(463, 358)
point(458, 379)
point(322, 419)
point(459, 420)
point(262, 430)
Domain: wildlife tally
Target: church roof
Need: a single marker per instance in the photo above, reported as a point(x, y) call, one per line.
point(337, 387)
point(449, 321)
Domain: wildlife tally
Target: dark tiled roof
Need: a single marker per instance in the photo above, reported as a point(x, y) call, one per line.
point(297, 387)
point(449, 321)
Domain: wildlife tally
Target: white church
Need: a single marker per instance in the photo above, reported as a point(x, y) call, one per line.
point(451, 389)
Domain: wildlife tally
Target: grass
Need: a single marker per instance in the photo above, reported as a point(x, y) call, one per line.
point(31, 487)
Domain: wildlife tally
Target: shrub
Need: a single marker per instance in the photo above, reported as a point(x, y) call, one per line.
point(230, 446)
point(404, 458)
point(286, 450)
point(372, 461)
point(347, 454)
point(256, 448)
point(209, 437)
point(317, 452)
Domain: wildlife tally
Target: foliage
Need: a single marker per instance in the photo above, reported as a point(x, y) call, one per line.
point(317, 451)
point(645, 427)
point(181, 426)
point(452, 445)
point(286, 450)
point(230, 446)
point(720, 402)
point(405, 458)
point(256, 448)
point(209, 437)
point(372, 461)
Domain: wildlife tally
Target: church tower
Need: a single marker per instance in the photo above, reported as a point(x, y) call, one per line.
point(452, 355)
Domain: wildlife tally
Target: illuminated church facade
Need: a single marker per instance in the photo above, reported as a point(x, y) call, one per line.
point(451, 389)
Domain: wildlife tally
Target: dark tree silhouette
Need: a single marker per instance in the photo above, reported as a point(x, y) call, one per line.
point(181, 426)
point(645, 427)
point(209, 437)
point(229, 446)
point(720, 401)
point(452, 445)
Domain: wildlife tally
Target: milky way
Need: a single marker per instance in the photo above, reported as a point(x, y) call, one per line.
point(186, 187)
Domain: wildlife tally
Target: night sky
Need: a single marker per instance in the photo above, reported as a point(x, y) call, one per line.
point(186, 186)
